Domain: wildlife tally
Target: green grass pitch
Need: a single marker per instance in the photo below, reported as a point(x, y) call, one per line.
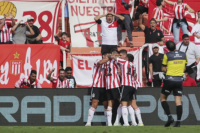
point(98, 129)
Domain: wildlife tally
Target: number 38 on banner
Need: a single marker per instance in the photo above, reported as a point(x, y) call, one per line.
point(44, 19)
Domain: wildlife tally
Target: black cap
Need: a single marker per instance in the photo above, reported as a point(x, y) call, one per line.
point(184, 36)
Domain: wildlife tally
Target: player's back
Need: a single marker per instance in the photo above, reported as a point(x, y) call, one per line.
point(175, 62)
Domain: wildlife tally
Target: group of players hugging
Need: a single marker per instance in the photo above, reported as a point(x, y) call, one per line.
point(114, 77)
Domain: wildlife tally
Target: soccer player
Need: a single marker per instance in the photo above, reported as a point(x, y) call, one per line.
point(112, 84)
point(60, 81)
point(174, 63)
point(98, 92)
point(31, 82)
point(128, 92)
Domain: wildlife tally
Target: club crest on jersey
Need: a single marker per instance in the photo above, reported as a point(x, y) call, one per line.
point(16, 65)
point(158, 34)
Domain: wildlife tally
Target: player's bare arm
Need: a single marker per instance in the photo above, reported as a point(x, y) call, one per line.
point(49, 75)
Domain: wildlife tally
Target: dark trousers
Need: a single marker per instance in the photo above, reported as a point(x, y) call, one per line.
point(157, 83)
point(127, 24)
point(140, 10)
point(107, 48)
point(194, 74)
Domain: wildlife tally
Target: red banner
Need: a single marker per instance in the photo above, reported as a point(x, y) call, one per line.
point(17, 61)
point(168, 12)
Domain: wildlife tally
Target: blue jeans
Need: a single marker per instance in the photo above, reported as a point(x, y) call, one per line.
point(176, 30)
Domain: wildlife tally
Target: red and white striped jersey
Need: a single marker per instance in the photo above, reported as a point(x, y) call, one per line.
point(57, 83)
point(144, 5)
point(127, 70)
point(25, 83)
point(179, 10)
point(158, 14)
point(112, 76)
point(98, 75)
point(5, 33)
point(137, 84)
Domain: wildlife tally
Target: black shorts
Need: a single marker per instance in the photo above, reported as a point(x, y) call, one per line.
point(175, 86)
point(128, 93)
point(99, 94)
point(107, 48)
point(113, 94)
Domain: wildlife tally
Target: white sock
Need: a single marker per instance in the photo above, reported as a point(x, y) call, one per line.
point(105, 114)
point(119, 114)
point(109, 115)
point(125, 114)
point(132, 114)
point(138, 115)
point(90, 114)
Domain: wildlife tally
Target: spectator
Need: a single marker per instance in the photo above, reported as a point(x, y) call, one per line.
point(36, 38)
point(60, 81)
point(19, 32)
point(109, 31)
point(179, 18)
point(152, 35)
point(159, 15)
point(196, 31)
point(142, 8)
point(198, 14)
point(192, 53)
point(31, 82)
point(122, 8)
point(188, 81)
point(4, 29)
point(155, 64)
point(64, 45)
point(70, 78)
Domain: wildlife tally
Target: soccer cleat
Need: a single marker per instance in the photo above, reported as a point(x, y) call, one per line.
point(140, 125)
point(135, 124)
point(169, 122)
point(177, 124)
point(126, 125)
point(117, 124)
point(88, 124)
point(110, 125)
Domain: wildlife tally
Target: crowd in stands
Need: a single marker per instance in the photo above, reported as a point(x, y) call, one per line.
point(28, 33)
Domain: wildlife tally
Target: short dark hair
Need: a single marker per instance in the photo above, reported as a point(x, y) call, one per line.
point(114, 50)
point(108, 14)
point(61, 70)
point(184, 36)
point(33, 72)
point(63, 33)
point(171, 46)
point(105, 53)
point(158, 2)
point(68, 69)
point(130, 57)
point(123, 51)
point(153, 19)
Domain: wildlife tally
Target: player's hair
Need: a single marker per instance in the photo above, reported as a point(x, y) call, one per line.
point(171, 46)
point(158, 2)
point(33, 72)
point(114, 51)
point(123, 51)
point(61, 70)
point(63, 33)
point(68, 69)
point(105, 53)
point(153, 19)
point(108, 15)
point(130, 57)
